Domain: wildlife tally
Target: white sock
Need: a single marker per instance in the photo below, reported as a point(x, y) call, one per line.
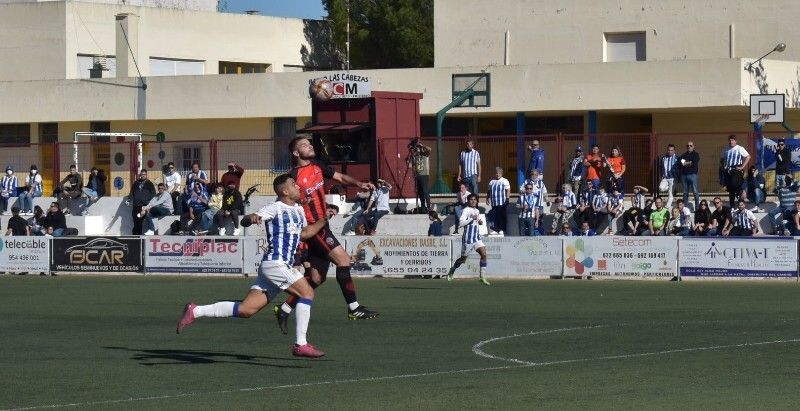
point(483, 271)
point(302, 317)
point(352, 306)
point(220, 309)
point(286, 308)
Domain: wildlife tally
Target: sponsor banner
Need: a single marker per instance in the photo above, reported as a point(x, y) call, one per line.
point(348, 85)
point(621, 257)
point(96, 254)
point(763, 257)
point(253, 252)
point(24, 254)
point(193, 255)
point(514, 257)
point(399, 256)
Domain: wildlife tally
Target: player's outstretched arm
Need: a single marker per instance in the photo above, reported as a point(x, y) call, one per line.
point(346, 179)
point(311, 230)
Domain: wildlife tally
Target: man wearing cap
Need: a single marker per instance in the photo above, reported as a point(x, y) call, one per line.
point(689, 162)
point(575, 171)
point(783, 164)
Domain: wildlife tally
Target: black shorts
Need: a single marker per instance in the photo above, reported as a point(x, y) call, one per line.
point(322, 243)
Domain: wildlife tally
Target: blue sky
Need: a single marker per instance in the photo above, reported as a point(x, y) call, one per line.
point(306, 9)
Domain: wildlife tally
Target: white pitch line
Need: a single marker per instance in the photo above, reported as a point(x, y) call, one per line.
point(518, 364)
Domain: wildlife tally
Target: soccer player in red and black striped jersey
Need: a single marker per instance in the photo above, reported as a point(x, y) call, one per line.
point(323, 248)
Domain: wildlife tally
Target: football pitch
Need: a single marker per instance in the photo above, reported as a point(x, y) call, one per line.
point(109, 343)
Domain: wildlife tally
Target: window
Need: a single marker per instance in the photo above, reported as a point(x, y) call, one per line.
point(15, 133)
point(188, 155)
point(625, 47)
point(232, 67)
point(48, 133)
point(176, 67)
point(283, 131)
point(87, 61)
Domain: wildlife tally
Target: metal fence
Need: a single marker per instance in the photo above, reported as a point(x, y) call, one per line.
point(262, 161)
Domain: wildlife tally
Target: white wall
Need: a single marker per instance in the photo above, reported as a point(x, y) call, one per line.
point(472, 32)
point(203, 5)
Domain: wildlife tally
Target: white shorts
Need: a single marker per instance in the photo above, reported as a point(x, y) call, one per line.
point(274, 277)
point(468, 248)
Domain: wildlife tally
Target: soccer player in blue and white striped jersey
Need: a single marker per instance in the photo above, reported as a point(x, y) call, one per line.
point(471, 240)
point(286, 226)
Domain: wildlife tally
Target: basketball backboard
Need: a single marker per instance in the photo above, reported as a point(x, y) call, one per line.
point(481, 85)
point(767, 108)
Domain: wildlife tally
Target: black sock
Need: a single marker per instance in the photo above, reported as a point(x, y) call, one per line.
point(346, 284)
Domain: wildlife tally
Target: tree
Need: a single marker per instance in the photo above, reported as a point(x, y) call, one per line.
point(383, 33)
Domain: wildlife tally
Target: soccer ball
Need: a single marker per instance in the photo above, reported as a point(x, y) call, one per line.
point(320, 89)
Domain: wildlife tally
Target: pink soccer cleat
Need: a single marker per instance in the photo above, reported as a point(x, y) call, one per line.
point(187, 319)
point(306, 350)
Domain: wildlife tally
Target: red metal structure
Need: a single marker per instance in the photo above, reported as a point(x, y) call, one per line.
point(367, 138)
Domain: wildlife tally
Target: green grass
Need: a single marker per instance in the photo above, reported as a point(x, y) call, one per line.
point(93, 341)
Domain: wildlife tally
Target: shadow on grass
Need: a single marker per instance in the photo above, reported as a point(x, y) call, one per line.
point(417, 288)
point(181, 357)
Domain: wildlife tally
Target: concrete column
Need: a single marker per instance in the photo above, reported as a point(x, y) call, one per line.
point(127, 26)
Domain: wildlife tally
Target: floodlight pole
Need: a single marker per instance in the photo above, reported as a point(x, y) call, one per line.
point(440, 187)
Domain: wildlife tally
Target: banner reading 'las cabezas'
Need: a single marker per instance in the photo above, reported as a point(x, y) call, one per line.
point(97, 254)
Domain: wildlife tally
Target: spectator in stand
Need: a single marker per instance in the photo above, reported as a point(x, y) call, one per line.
point(755, 189)
point(615, 208)
point(685, 212)
point(566, 208)
point(690, 161)
point(231, 205)
point(142, 191)
point(594, 163)
point(159, 206)
point(214, 207)
point(95, 188)
point(36, 223)
point(787, 194)
point(643, 227)
point(232, 176)
point(783, 164)
point(538, 183)
point(469, 167)
point(575, 171)
point(630, 218)
point(497, 197)
point(670, 170)
point(744, 222)
point(17, 226)
point(419, 161)
point(600, 208)
point(658, 218)
point(31, 190)
point(55, 222)
point(527, 211)
point(537, 158)
point(586, 230)
point(172, 180)
point(194, 177)
point(196, 205)
point(702, 220)
point(793, 220)
point(461, 202)
point(566, 231)
point(8, 188)
point(678, 223)
point(380, 198)
point(71, 187)
point(435, 229)
point(358, 210)
point(720, 218)
point(734, 162)
point(585, 210)
point(616, 166)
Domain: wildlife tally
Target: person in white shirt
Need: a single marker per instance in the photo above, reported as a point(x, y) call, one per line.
point(471, 240)
point(744, 222)
point(31, 190)
point(172, 180)
point(498, 195)
point(380, 198)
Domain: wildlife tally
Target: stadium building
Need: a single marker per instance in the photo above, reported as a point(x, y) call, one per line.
point(226, 87)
